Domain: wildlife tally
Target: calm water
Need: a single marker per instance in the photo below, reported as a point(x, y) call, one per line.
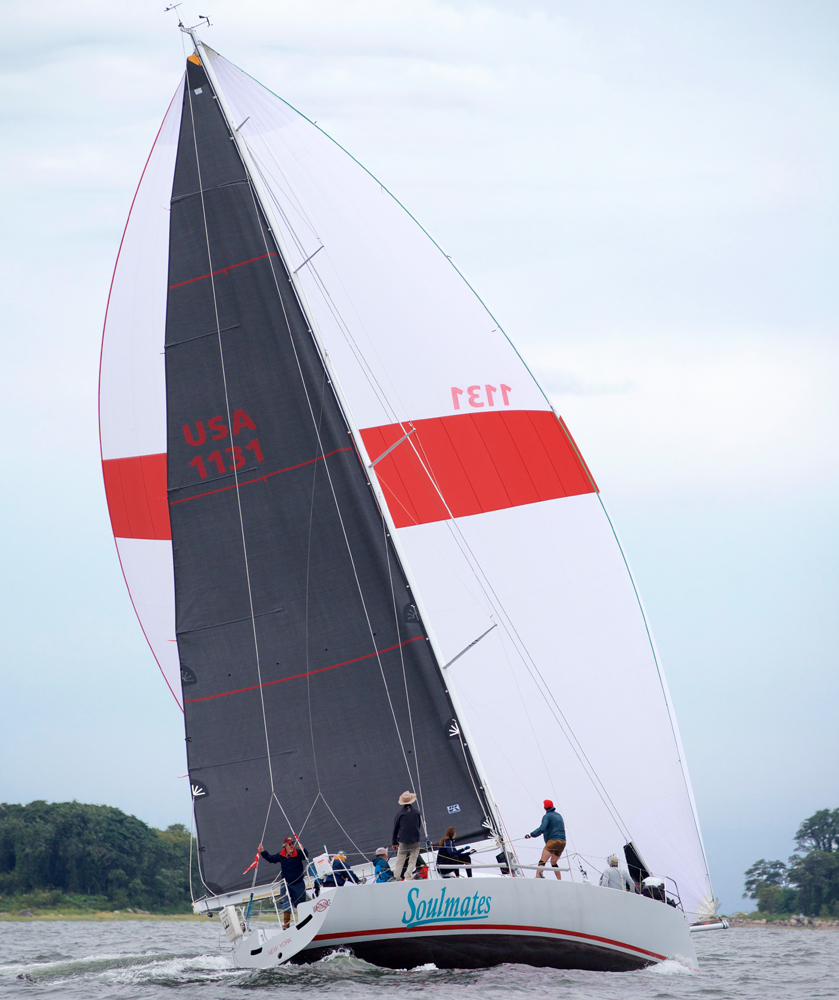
point(146, 961)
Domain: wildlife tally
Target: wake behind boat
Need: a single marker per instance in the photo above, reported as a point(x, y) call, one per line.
point(368, 555)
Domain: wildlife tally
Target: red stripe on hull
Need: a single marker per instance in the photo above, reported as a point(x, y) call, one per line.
point(519, 928)
point(471, 463)
point(137, 501)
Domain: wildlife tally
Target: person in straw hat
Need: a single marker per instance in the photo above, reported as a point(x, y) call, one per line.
point(406, 835)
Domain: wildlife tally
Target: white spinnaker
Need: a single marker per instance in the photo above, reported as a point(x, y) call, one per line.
point(565, 699)
point(132, 385)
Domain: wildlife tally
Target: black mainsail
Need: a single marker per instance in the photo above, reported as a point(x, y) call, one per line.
point(312, 696)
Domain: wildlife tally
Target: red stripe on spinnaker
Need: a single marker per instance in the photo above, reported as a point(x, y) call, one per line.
point(472, 463)
point(99, 392)
point(221, 270)
point(137, 498)
point(136, 492)
point(522, 928)
point(260, 479)
point(309, 673)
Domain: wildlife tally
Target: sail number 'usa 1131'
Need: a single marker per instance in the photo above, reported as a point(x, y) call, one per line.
point(218, 431)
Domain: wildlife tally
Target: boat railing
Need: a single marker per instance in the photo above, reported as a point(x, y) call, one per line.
point(673, 893)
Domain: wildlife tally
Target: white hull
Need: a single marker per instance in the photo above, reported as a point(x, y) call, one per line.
point(481, 922)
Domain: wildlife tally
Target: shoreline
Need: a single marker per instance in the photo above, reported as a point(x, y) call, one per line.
point(796, 923)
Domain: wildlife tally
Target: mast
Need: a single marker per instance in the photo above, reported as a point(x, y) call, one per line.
point(267, 209)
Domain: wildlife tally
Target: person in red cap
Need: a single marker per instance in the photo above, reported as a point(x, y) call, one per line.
point(552, 828)
point(293, 861)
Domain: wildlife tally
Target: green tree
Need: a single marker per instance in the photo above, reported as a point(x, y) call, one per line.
point(820, 832)
point(96, 852)
point(816, 876)
point(764, 874)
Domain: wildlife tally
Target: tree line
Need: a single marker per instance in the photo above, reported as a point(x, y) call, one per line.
point(809, 882)
point(72, 855)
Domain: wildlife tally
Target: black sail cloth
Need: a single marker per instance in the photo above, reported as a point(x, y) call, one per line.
point(282, 561)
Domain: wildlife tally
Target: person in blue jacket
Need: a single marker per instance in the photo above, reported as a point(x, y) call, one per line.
point(293, 862)
point(381, 867)
point(552, 828)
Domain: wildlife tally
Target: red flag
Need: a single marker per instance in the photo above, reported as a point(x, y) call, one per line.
point(253, 865)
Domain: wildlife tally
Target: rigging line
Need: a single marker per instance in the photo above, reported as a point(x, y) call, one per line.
point(526, 711)
point(191, 826)
point(262, 838)
point(404, 671)
point(308, 566)
point(230, 424)
point(308, 814)
point(483, 799)
point(326, 466)
point(349, 838)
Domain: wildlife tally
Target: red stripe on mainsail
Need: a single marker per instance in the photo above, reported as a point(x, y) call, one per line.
point(136, 492)
point(308, 673)
point(471, 463)
point(260, 479)
point(221, 270)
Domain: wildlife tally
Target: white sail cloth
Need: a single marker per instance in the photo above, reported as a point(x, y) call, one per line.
point(132, 402)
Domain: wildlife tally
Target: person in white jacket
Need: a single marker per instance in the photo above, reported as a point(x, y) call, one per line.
point(616, 878)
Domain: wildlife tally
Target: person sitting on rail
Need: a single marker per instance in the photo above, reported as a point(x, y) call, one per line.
point(615, 877)
point(341, 872)
point(381, 867)
point(293, 862)
point(449, 858)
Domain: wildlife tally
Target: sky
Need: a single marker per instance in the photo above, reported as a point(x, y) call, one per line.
point(643, 191)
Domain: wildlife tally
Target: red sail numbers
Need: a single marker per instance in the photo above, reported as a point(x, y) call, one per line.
point(218, 431)
point(471, 463)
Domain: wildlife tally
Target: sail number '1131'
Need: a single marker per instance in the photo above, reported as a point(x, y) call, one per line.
point(218, 431)
point(476, 394)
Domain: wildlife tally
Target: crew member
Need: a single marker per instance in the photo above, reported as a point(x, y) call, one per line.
point(552, 828)
point(449, 858)
point(381, 866)
point(615, 877)
point(341, 872)
point(293, 861)
point(406, 835)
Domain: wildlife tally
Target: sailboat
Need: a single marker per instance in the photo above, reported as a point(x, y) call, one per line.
point(368, 556)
